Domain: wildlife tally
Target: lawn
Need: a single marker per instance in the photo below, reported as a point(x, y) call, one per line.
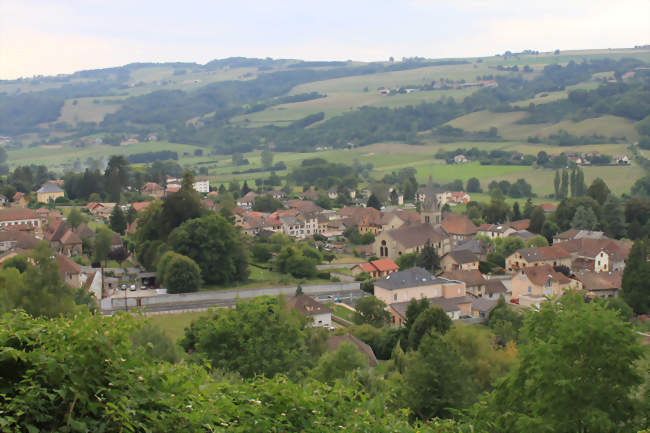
point(266, 278)
point(342, 312)
point(174, 324)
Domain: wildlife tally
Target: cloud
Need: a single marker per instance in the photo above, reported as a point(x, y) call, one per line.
point(44, 37)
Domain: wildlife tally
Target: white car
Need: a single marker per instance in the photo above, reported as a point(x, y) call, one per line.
point(133, 288)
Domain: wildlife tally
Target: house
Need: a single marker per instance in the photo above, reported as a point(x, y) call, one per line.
point(332, 193)
point(100, 210)
point(320, 315)
point(11, 240)
point(548, 207)
point(20, 218)
point(458, 227)
point(3, 199)
point(310, 194)
point(494, 289)
point(376, 269)
point(334, 341)
point(140, 205)
point(62, 239)
point(520, 224)
point(600, 255)
point(247, 200)
point(85, 232)
point(20, 199)
point(49, 192)
point(70, 271)
point(552, 255)
point(494, 231)
point(572, 234)
point(459, 260)
point(473, 279)
point(600, 284)
point(416, 283)
point(536, 282)
point(201, 185)
point(153, 189)
point(458, 197)
point(460, 159)
point(479, 248)
point(621, 159)
point(524, 235)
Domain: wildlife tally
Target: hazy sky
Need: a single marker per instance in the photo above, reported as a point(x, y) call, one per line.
point(62, 36)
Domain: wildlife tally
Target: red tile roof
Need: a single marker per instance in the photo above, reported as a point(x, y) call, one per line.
point(385, 265)
point(457, 224)
point(17, 213)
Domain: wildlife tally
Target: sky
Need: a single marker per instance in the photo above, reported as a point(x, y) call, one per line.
point(46, 37)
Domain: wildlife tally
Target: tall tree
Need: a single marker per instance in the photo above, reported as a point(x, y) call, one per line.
point(584, 219)
point(181, 274)
point(371, 310)
point(556, 184)
point(516, 213)
point(428, 258)
point(74, 218)
point(279, 337)
point(636, 278)
point(598, 190)
point(564, 188)
point(214, 244)
point(373, 201)
point(117, 220)
point(435, 379)
point(245, 189)
point(102, 245)
point(576, 373)
point(573, 182)
point(528, 208)
point(613, 219)
point(335, 365)
point(537, 219)
point(433, 319)
point(474, 185)
point(267, 159)
point(117, 176)
point(581, 188)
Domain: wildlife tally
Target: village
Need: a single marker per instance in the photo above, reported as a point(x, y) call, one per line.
point(581, 260)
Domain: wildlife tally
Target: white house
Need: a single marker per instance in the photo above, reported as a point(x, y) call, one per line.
point(321, 315)
point(202, 185)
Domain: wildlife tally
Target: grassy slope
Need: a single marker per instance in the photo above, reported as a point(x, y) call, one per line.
point(174, 324)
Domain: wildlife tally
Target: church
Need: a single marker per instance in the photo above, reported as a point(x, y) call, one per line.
point(413, 237)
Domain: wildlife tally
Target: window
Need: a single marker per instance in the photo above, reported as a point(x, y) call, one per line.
point(395, 297)
point(530, 289)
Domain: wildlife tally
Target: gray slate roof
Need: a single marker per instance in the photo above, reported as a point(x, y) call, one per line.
point(413, 277)
point(49, 187)
point(463, 256)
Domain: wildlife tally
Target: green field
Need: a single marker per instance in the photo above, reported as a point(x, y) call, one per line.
point(61, 157)
point(174, 324)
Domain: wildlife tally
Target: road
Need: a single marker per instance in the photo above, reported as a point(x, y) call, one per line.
point(348, 296)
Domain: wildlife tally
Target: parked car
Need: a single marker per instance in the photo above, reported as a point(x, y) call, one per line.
point(133, 288)
point(466, 317)
point(514, 300)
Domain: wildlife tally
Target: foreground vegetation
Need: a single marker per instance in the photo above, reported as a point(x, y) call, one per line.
point(87, 372)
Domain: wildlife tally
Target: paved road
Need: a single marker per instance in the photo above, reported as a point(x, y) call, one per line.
point(348, 297)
